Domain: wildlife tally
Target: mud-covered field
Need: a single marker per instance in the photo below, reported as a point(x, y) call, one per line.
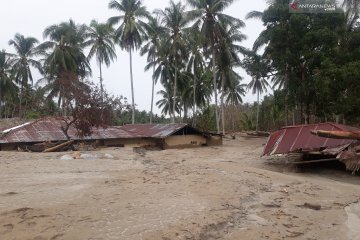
point(225, 192)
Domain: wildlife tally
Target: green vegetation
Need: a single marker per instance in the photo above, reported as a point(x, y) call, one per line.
point(310, 61)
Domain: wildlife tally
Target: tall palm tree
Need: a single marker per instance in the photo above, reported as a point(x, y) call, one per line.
point(208, 15)
point(65, 60)
point(227, 59)
point(154, 33)
point(258, 70)
point(6, 84)
point(130, 31)
point(25, 50)
point(175, 22)
point(101, 41)
point(195, 64)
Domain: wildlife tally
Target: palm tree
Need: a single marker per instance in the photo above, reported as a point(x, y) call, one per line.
point(26, 49)
point(209, 14)
point(175, 22)
point(166, 103)
point(233, 94)
point(353, 6)
point(235, 91)
point(101, 40)
point(65, 60)
point(6, 84)
point(258, 70)
point(154, 32)
point(161, 65)
point(227, 59)
point(195, 64)
point(130, 31)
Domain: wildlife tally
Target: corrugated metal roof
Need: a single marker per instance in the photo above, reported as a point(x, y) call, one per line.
point(49, 129)
point(154, 130)
point(299, 138)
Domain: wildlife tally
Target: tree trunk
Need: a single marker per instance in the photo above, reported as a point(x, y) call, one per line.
point(222, 104)
point(185, 113)
point(132, 89)
point(101, 83)
point(174, 97)
point(294, 116)
point(0, 102)
point(152, 95)
point(337, 118)
point(286, 109)
point(257, 111)
point(20, 101)
point(194, 100)
point(215, 91)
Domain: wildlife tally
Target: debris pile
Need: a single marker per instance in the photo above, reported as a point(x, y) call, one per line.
point(317, 143)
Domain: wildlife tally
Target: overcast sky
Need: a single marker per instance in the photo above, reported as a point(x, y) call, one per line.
point(30, 18)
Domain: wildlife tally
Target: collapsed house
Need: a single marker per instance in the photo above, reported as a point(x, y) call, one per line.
point(163, 136)
point(317, 143)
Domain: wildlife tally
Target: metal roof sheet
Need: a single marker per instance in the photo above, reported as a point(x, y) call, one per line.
point(155, 130)
point(49, 129)
point(299, 138)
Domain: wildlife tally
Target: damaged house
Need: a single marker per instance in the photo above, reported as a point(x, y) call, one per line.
point(317, 143)
point(163, 136)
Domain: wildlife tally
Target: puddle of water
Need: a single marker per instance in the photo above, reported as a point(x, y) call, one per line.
point(353, 221)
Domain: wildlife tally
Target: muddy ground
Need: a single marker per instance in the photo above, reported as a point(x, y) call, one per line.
point(225, 192)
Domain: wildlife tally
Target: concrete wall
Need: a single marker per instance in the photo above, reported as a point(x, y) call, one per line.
point(214, 141)
point(184, 141)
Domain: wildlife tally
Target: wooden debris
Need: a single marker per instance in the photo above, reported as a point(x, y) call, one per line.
point(312, 206)
point(337, 134)
point(59, 146)
point(316, 161)
point(258, 134)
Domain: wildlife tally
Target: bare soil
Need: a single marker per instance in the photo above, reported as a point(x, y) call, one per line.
point(225, 192)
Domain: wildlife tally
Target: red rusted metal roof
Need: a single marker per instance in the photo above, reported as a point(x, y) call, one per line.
point(299, 138)
point(156, 130)
point(49, 129)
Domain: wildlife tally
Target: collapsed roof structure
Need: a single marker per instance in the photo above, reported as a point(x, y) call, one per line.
point(158, 135)
point(305, 139)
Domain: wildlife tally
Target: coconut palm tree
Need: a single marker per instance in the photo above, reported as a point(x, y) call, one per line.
point(353, 6)
point(175, 22)
point(258, 70)
point(227, 59)
point(101, 41)
point(207, 16)
point(25, 50)
point(166, 102)
point(233, 95)
point(154, 33)
point(195, 64)
point(235, 91)
point(65, 61)
point(130, 31)
point(7, 86)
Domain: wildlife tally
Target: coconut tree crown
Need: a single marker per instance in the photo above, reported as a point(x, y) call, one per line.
point(131, 29)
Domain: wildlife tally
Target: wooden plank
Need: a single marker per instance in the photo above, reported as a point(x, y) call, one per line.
point(316, 161)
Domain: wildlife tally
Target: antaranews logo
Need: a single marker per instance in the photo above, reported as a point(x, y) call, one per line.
point(294, 5)
point(313, 6)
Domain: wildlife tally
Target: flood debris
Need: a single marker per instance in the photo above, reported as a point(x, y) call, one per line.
point(317, 143)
